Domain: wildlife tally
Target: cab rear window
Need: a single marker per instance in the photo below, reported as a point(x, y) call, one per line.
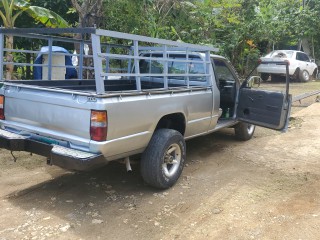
point(176, 66)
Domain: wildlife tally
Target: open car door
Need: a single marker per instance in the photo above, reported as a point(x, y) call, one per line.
point(265, 108)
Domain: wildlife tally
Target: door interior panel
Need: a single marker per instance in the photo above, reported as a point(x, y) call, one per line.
point(263, 108)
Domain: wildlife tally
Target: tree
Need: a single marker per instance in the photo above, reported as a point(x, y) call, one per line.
point(90, 12)
point(10, 10)
point(90, 15)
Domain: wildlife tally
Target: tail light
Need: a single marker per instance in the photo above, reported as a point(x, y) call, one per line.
point(2, 107)
point(98, 125)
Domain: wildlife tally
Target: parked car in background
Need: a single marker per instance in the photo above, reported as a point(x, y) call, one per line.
point(301, 67)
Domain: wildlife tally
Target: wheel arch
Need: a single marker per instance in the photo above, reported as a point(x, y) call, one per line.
point(176, 121)
point(315, 72)
point(296, 74)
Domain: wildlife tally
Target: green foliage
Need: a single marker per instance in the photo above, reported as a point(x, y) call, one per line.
point(227, 24)
point(46, 17)
point(242, 29)
point(10, 10)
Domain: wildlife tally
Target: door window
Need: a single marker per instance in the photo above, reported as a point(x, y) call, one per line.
point(303, 57)
point(222, 71)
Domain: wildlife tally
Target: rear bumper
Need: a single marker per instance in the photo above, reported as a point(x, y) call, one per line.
point(275, 70)
point(57, 155)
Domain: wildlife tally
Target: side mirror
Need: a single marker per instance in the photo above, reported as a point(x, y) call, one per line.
point(254, 82)
point(312, 60)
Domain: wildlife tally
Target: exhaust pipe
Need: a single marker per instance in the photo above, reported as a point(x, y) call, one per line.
point(128, 166)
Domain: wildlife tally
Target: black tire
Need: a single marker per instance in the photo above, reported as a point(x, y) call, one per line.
point(244, 131)
point(163, 160)
point(264, 76)
point(314, 74)
point(275, 78)
point(304, 76)
point(295, 76)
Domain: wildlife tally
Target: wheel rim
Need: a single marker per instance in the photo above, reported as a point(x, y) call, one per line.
point(172, 159)
point(306, 76)
point(250, 129)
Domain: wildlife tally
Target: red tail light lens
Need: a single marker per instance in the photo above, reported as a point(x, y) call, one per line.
point(2, 107)
point(99, 125)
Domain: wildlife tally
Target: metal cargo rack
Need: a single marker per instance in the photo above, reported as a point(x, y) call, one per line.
point(108, 48)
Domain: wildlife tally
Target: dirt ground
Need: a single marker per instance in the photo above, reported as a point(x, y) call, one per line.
point(265, 188)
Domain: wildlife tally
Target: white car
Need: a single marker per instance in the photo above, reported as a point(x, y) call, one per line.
point(301, 67)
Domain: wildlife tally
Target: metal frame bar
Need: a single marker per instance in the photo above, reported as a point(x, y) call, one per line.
point(207, 66)
point(172, 48)
point(46, 37)
point(130, 62)
point(122, 56)
point(154, 75)
point(165, 67)
point(50, 41)
point(46, 65)
point(139, 38)
point(187, 68)
point(1, 55)
point(96, 49)
point(107, 61)
point(136, 64)
point(46, 30)
point(81, 53)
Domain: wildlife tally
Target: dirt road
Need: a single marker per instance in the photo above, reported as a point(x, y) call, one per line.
point(266, 188)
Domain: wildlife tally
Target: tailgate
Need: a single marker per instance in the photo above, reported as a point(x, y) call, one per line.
point(58, 115)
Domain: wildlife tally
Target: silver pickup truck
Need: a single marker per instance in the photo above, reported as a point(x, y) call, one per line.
point(82, 103)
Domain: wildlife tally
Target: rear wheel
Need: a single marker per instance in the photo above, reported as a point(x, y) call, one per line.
point(304, 76)
point(244, 131)
point(275, 78)
point(314, 74)
point(163, 160)
point(264, 76)
point(295, 76)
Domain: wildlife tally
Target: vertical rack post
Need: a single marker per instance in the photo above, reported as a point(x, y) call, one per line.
point(136, 64)
point(207, 65)
point(1, 55)
point(97, 61)
point(50, 58)
point(187, 68)
point(81, 50)
point(107, 61)
point(165, 67)
point(129, 61)
point(287, 79)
